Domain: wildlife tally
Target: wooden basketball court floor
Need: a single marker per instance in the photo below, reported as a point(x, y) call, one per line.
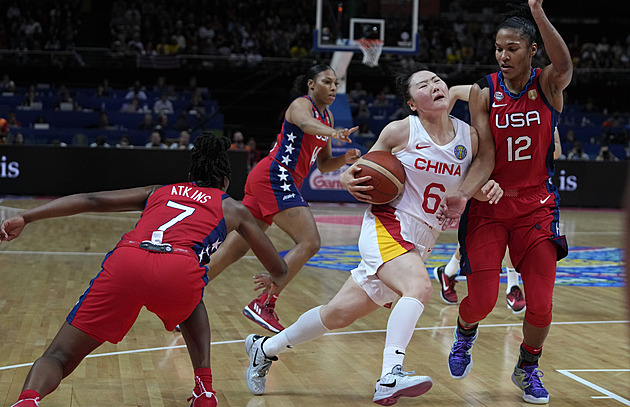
point(586, 357)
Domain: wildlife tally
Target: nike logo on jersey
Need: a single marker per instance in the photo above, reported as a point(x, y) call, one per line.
point(399, 352)
point(542, 201)
point(511, 302)
point(494, 104)
point(419, 147)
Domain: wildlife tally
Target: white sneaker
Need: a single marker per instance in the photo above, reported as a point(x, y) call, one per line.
point(259, 363)
point(399, 383)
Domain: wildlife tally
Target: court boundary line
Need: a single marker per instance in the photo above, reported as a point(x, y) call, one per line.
point(434, 328)
point(609, 394)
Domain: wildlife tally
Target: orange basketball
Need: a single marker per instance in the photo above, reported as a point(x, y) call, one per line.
point(388, 176)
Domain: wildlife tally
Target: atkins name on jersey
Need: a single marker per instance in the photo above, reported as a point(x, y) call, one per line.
point(190, 192)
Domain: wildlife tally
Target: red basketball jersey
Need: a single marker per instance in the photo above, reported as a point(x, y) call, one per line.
point(296, 150)
point(522, 126)
point(185, 215)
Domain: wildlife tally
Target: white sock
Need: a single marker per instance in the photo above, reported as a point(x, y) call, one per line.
point(452, 267)
point(308, 326)
point(512, 279)
point(400, 326)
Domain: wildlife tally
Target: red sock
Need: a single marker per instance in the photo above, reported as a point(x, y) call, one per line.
point(203, 380)
point(533, 351)
point(30, 394)
point(528, 355)
point(273, 299)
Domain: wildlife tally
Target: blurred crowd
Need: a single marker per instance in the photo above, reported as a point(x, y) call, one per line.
point(254, 29)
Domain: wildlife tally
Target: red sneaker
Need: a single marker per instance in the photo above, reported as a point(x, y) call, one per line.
point(203, 399)
point(27, 403)
point(515, 300)
point(263, 315)
point(28, 398)
point(447, 284)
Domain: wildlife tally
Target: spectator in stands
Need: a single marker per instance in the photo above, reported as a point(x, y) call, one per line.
point(160, 85)
point(365, 132)
point(570, 136)
point(137, 90)
point(135, 44)
point(103, 122)
point(363, 113)
point(125, 142)
point(66, 103)
point(254, 153)
point(101, 92)
point(41, 119)
point(100, 142)
point(605, 154)
point(381, 99)
point(147, 122)
point(4, 131)
point(162, 122)
point(238, 141)
point(58, 143)
point(357, 93)
point(183, 142)
point(18, 139)
point(131, 106)
point(163, 105)
point(13, 121)
point(155, 141)
point(11, 88)
point(400, 113)
point(196, 104)
point(31, 97)
point(107, 90)
point(168, 46)
point(577, 153)
point(181, 123)
point(5, 83)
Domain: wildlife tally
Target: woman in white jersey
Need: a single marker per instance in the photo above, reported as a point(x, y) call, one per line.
point(427, 142)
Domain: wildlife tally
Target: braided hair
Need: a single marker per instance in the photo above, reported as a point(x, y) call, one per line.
point(209, 163)
point(520, 19)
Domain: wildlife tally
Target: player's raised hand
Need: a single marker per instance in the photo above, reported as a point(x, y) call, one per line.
point(343, 134)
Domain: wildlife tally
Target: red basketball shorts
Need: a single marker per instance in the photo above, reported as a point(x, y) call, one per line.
point(168, 284)
point(270, 188)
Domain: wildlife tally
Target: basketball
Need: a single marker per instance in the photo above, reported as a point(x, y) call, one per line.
point(388, 176)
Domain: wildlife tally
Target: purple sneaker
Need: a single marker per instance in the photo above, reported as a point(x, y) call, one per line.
point(460, 360)
point(528, 380)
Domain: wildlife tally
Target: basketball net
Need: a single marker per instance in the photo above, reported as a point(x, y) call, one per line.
point(371, 49)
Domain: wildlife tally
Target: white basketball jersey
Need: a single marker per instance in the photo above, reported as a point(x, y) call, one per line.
point(432, 170)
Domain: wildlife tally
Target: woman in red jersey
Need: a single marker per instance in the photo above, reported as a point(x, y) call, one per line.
point(159, 265)
point(272, 191)
point(519, 106)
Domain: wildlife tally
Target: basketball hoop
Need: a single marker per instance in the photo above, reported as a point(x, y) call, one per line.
point(371, 49)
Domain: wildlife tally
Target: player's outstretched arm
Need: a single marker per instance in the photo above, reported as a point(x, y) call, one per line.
point(105, 201)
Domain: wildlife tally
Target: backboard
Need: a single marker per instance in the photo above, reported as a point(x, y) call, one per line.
point(339, 23)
